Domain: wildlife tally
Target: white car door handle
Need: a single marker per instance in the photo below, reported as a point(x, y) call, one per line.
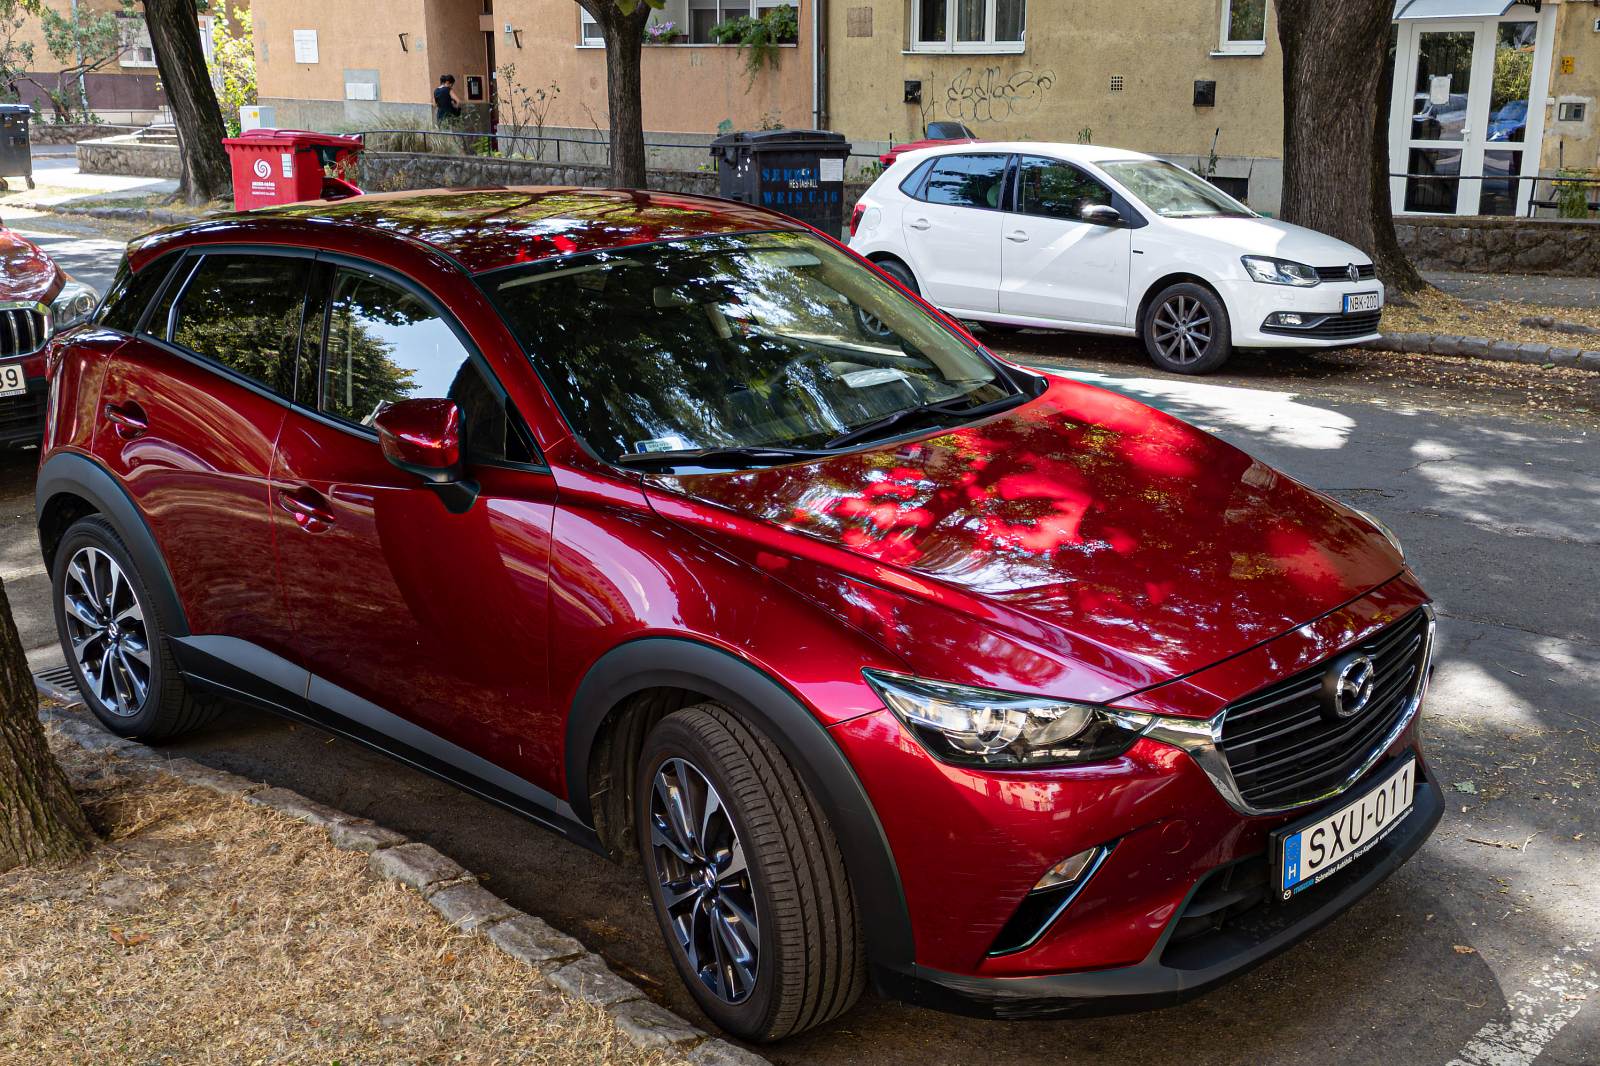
point(919, 223)
point(1020, 236)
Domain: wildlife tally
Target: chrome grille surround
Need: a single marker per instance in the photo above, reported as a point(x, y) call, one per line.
point(24, 328)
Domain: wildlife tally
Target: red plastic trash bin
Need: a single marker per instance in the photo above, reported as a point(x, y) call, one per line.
point(287, 166)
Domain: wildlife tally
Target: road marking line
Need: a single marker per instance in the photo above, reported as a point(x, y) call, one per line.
point(1533, 1018)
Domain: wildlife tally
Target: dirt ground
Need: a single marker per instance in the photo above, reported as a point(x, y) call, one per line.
point(206, 930)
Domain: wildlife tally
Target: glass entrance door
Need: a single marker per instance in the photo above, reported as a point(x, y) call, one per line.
point(1469, 85)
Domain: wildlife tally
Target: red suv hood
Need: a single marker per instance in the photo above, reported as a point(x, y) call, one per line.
point(1085, 527)
point(25, 272)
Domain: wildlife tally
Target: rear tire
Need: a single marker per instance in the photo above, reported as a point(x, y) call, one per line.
point(901, 273)
point(748, 883)
point(1186, 330)
point(115, 640)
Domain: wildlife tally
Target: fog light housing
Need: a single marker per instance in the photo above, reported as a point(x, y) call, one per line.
point(1048, 900)
point(1285, 318)
point(1067, 870)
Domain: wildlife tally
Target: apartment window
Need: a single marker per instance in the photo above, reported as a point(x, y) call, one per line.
point(1244, 27)
point(968, 25)
point(136, 37)
point(589, 35)
point(704, 14)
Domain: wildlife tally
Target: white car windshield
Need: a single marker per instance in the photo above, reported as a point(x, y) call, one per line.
point(1173, 192)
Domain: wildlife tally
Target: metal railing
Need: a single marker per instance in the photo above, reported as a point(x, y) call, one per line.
point(1555, 180)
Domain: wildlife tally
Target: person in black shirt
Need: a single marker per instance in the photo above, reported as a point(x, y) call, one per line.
point(446, 105)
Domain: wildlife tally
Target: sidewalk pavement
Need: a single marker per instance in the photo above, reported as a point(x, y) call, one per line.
point(58, 182)
point(1545, 289)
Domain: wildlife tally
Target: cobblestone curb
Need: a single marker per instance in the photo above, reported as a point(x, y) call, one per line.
point(565, 964)
point(1483, 348)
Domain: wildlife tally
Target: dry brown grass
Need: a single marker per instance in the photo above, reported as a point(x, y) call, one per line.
point(1439, 312)
point(204, 930)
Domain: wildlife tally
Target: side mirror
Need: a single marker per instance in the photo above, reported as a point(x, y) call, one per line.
point(1100, 214)
point(423, 437)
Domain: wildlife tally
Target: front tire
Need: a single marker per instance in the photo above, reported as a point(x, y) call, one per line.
point(1186, 330)
point(746, 877)
point(115, 640)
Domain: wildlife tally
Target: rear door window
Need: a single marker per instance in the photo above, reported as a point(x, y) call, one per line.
point(243, 311)
point(129, 293)
point(967, 181)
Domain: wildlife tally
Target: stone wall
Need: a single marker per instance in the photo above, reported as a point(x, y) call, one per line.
point(1502, 245)
point(65, 133)
point(129, 155)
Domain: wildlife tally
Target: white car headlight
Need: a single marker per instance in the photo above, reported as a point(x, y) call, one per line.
point(75, 303)
point(1270, 271)
point(984, 727)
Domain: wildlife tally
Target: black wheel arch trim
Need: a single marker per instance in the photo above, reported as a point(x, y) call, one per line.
point(78, 475)
point(675, 662)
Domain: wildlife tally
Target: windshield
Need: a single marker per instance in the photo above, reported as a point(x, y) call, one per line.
point(1172, 192)
point(770, 340)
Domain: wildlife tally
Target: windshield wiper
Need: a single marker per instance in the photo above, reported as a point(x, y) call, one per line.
point(928, 412)
point(741, 455)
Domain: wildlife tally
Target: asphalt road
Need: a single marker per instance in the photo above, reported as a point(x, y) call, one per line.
point(1484, 949)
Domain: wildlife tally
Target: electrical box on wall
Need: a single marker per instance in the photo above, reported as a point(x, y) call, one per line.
point(913, 92)
point(1570, 111)
point(1205, 94)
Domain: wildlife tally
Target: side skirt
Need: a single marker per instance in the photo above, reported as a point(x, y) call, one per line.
point(240, 670)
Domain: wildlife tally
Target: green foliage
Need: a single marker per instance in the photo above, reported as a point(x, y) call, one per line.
point(758, 38)
point(410, 134)
point(81, 42)
point(1086, 135)
point(234, 65)
point(15, 56)
point(1572, 197)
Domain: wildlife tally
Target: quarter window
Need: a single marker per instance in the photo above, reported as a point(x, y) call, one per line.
point(968, 25)
point(129, 293)
point(243, 311)
point(1244, 26)
point(1054, 189)
point(967, 181)
point(385, 345)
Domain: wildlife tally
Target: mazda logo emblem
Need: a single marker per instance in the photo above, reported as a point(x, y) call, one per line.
point(1348, 686)
point(1354, 272)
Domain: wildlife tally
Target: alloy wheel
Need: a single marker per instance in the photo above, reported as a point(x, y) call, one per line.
point(1183, 329)
point(106, 631)
point(699, 864)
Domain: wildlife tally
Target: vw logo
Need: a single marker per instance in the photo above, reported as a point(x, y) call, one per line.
point(263, 169)
point(1354, 272)
point(1348, 686)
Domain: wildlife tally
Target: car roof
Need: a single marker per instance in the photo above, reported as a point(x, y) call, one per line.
point(1072, 153)
point(489, 228)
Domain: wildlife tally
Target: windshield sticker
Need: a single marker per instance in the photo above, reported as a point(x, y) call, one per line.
point(671, 443)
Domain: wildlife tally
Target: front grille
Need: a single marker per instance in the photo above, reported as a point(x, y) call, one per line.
point(22, 416)
point(1282, 750)
point(1332, 327)
point(1366, 272)
point(22, 331)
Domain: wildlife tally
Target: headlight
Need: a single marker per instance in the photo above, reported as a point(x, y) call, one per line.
point(983, 727)
point(73, 304)
point(1271, 271)
point(1383, 527)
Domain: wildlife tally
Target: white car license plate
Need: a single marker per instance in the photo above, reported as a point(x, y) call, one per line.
point(1311, 851)
point(12, 379)
point(1362, 301)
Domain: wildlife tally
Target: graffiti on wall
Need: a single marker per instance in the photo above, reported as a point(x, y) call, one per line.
point(991, 95)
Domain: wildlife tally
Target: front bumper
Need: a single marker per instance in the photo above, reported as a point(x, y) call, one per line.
point(1325, 324)
point(1173, 973)
point(22, 415)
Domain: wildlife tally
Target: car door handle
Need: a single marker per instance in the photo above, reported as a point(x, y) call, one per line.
point(919, 223)
point(307, 507)
point(128, 419)
point(1018, 236)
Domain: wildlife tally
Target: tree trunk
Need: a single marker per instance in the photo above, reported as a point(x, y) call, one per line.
point(175, 32)
point(1334, 139)
point(624, 35)
point(40, 820)
point(1399, 276)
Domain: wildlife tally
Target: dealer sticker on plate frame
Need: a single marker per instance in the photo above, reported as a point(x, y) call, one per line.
point(12, 380)
point(1311, 851)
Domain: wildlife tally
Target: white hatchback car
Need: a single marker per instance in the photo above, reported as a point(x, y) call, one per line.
point(1071, 236)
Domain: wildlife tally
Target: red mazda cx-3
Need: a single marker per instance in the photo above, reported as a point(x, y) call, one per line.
point(676, 527)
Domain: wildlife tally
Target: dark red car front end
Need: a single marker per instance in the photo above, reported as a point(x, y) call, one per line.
point(31, 308)
point(1058, 703)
